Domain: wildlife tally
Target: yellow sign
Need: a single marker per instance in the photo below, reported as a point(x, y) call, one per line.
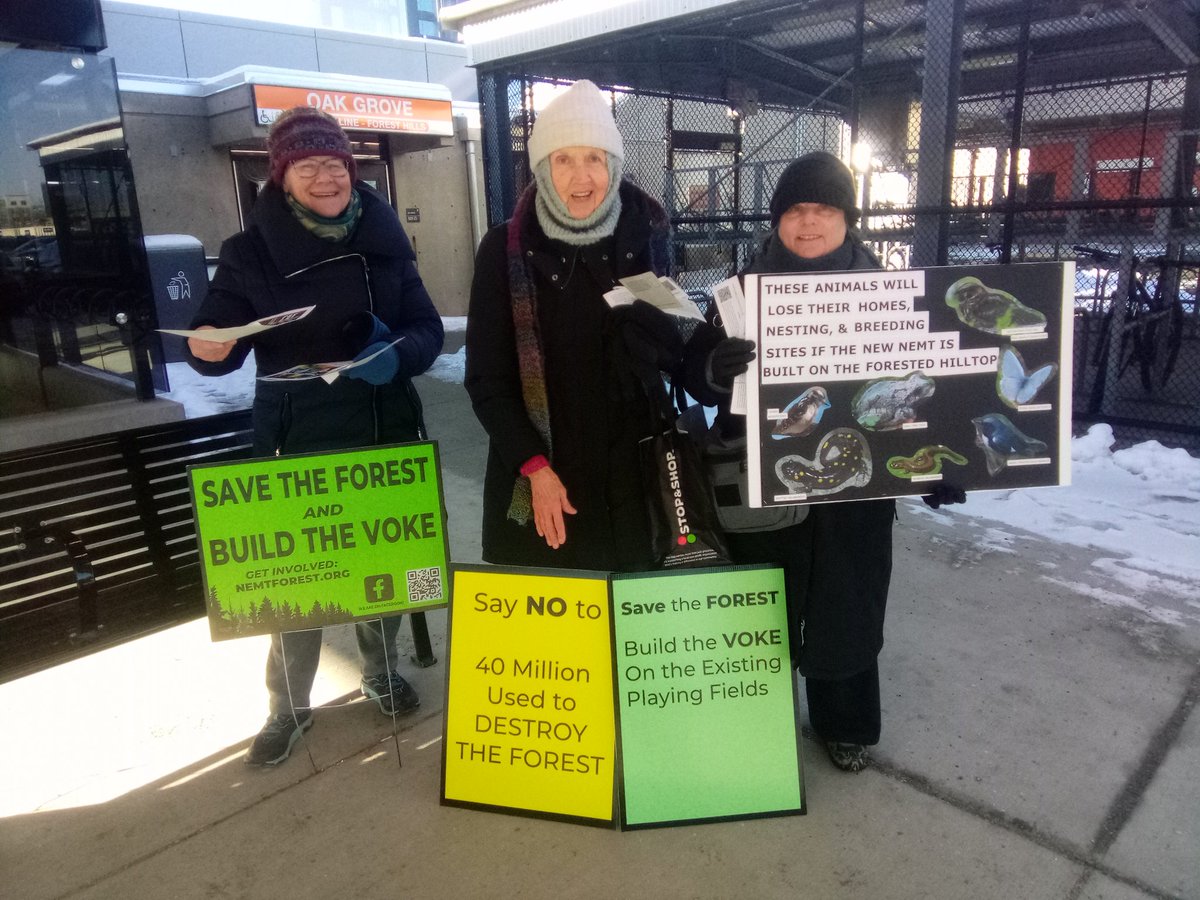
point(529, 721)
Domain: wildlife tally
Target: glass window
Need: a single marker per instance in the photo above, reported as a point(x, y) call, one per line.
point(423, 20)
point(73, 282)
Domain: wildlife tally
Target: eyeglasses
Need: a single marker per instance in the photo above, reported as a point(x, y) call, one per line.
point(308, 168)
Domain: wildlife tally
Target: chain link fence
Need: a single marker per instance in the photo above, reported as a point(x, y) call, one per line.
point(969, 144)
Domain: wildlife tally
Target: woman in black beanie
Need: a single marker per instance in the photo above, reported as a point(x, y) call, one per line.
point(837, 559)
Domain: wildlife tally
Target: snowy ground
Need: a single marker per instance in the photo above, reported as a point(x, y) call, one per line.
point(202, 396)
point(1138, 507)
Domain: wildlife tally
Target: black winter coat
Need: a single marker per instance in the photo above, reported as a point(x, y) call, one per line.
point(598, 411)
point(837, 561)
point(276, 264)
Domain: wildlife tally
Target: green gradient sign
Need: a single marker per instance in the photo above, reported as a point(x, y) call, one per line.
point(706, 697)
point(305, 541)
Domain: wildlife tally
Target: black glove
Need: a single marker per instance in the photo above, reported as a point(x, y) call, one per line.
point(944, 494)
point(651, 335)
point(730, 358)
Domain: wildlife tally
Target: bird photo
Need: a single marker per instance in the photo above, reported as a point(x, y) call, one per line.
point(803, 414)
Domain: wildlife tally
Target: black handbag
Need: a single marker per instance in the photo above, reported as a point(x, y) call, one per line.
point(684, 526)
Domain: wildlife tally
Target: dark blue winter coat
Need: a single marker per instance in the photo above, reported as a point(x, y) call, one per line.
point(276, 264)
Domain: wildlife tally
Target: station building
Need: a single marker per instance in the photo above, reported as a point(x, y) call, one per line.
point(198, 92)
point(136, 143)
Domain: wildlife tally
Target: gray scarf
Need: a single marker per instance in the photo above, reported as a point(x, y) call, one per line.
point(775, 257)
point(558, 224)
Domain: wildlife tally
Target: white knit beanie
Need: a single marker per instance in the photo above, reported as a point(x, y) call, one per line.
point(578, 117)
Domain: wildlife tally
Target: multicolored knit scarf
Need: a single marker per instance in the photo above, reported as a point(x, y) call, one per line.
point(336, 229)
point(523, 293)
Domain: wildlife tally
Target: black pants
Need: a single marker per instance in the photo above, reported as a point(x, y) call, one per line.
point(845, 709)
point(292, 662)
point(837, 566)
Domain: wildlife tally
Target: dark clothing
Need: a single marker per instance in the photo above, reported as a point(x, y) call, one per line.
point(838, 564)
point(598, 411)
point(275, 265)
point(837, 568)
point(846, 709)
point(294, 656)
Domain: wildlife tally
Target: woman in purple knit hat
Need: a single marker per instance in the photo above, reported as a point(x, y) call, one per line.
point(317, 237)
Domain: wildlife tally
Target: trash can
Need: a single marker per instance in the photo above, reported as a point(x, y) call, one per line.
point(179, 282)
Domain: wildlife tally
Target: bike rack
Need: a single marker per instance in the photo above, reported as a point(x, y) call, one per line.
point(58, 536)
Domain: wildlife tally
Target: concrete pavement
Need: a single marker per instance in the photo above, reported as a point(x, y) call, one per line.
point(1037, 743)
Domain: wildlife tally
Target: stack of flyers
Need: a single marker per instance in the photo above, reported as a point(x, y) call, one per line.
point(327, 371)
point(731, 305)
point(657, 290)
point(233, 333)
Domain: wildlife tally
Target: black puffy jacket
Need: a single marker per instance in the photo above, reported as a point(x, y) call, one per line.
point(276, 264)
point(598, 410)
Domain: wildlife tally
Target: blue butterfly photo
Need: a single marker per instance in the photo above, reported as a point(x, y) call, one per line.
point(1015, 384)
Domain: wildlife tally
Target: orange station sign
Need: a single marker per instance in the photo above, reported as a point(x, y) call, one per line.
point(364, 112)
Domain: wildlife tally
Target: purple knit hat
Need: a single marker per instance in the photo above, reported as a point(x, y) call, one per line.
point(306, 131)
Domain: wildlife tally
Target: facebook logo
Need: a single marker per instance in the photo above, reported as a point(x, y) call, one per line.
point(379, 588)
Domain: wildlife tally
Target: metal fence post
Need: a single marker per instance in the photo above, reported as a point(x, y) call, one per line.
point(939, 108)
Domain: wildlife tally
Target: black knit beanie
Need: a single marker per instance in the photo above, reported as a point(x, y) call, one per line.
point(816, 177)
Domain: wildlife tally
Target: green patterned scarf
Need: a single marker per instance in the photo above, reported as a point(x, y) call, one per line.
point(337, 229)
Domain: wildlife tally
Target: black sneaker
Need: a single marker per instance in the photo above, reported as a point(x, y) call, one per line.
point(277, 738)
point(394, 695)
point(848, 757)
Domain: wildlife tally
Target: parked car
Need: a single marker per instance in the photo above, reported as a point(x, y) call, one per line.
point(35, 255)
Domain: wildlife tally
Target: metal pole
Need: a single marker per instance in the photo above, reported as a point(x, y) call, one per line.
point(497, 146)
point(1189, 125)
point(473, 197)
point(1014, 147)
point(1137, 173)
point(860, 18)
point(939, 119)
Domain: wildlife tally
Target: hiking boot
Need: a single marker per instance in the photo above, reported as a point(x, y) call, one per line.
point(848, 757)
point(394, 695)
point(277, 738)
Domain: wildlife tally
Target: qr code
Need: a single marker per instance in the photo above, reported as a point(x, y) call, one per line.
point(424, 584)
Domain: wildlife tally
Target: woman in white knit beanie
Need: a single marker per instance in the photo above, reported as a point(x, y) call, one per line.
point(576, 154)
point(549, 371)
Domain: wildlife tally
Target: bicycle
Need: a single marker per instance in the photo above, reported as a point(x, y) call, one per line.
point(1153, 318)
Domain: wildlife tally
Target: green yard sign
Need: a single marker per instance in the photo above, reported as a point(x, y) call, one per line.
point(706, 698)
point(305, 541)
